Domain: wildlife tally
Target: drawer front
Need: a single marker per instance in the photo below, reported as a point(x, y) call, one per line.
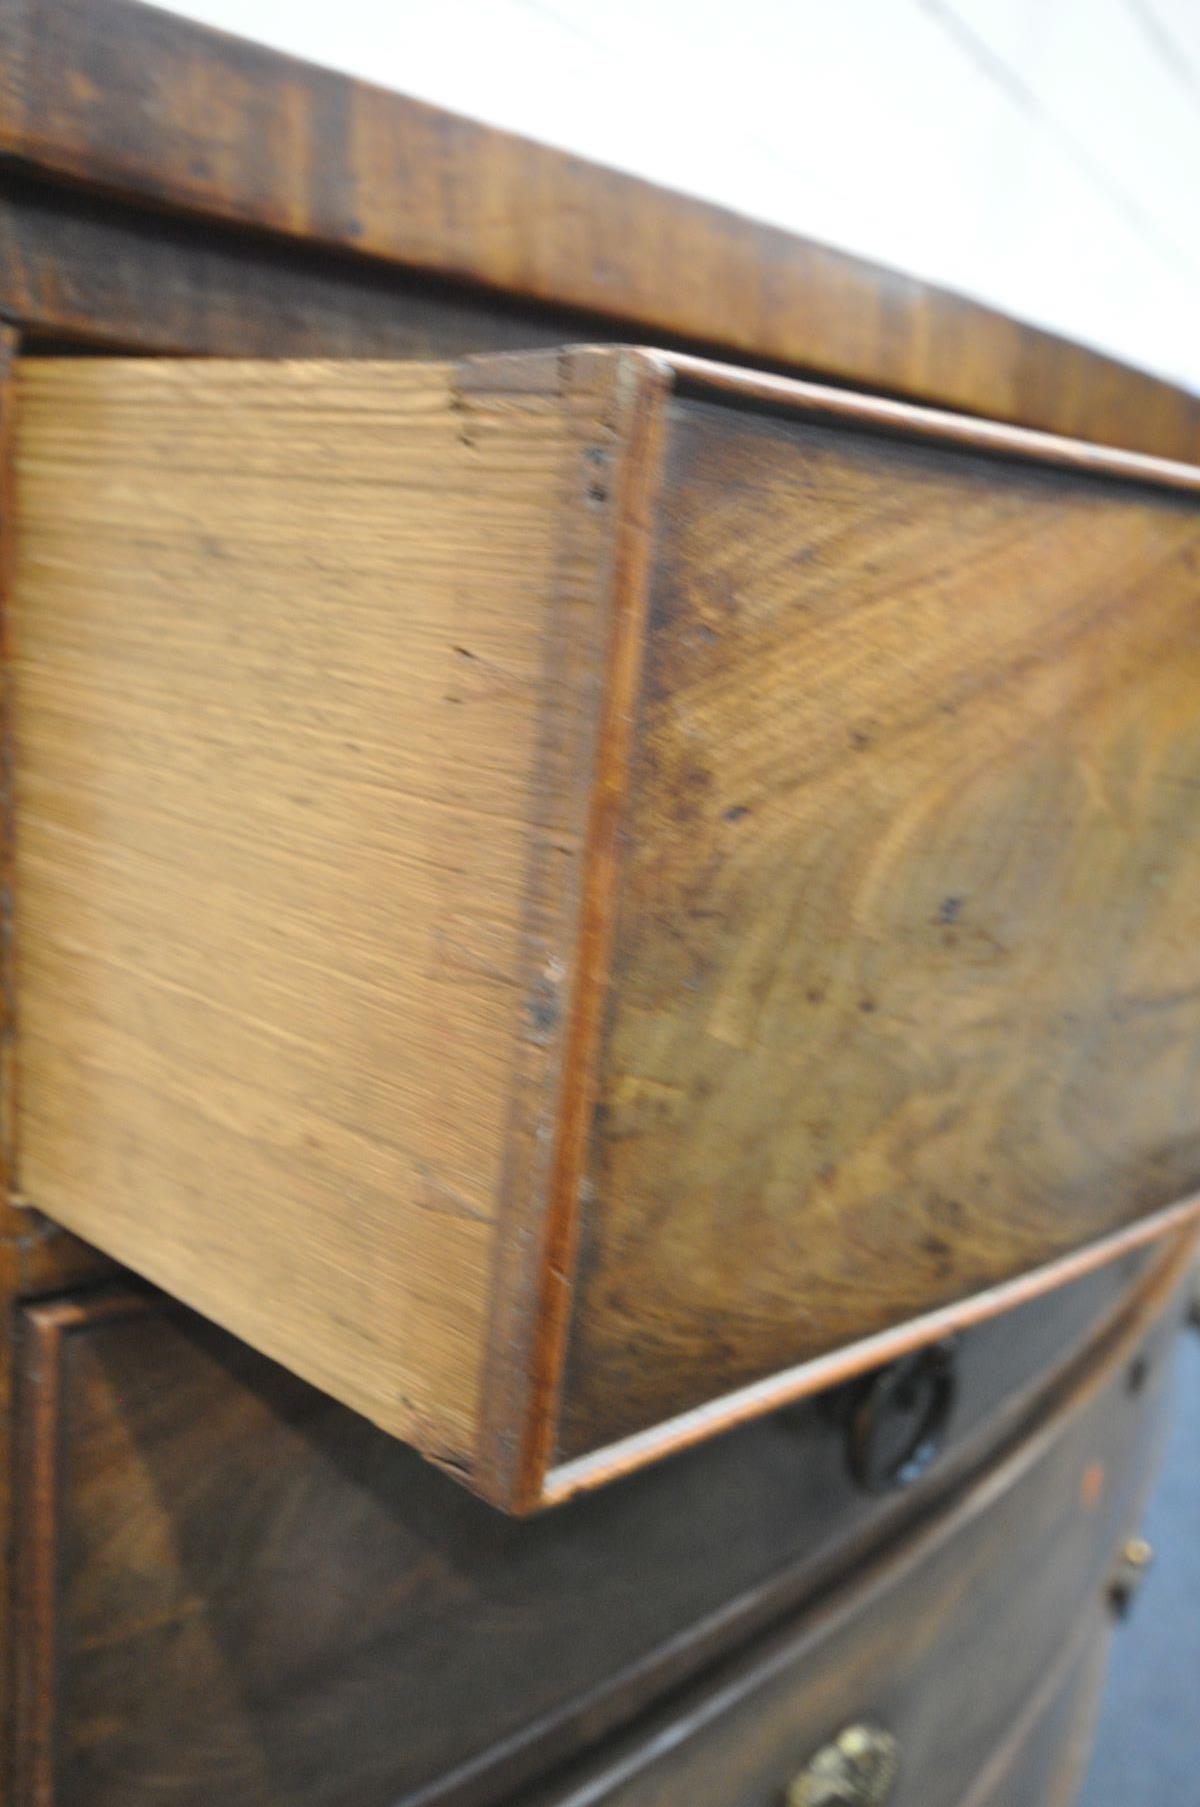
point(1045, 1761)
point(902, 906)
point(237, 1589)
point(942, 1650)
point(573, 899)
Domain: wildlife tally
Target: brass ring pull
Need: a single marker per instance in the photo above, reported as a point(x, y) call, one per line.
point(858, 1769)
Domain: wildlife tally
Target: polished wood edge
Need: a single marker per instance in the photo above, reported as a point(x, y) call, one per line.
point(743, 1676)
point(767, 1395)
point(532, 1286)
point(558, 377)
point(906, 419)
point(134, 102)
point(565, 378)
point(44, 1329)
point(639, 486)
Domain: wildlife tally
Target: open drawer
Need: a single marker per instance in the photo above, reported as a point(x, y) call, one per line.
point(572, 898)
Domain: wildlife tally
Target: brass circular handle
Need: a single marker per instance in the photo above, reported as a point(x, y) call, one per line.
point(898, 1421)
point(1125, 1584)
point(858, 1769)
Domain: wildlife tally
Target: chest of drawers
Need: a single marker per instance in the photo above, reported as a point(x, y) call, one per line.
point(625, 917)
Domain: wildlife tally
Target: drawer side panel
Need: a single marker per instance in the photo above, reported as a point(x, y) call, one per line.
point(308, 665)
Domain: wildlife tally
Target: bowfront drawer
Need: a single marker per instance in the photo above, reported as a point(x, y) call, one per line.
point(958, 1672)
point(1045, 1760)
point(277, 1605)
point(575, 898)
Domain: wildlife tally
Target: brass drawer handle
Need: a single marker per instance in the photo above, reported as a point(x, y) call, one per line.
point(1127, 1578)
point(858, 1769)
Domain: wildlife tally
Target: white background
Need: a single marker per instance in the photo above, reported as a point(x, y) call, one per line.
point(1041, 155)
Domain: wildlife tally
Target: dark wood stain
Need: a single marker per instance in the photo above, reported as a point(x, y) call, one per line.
point(829, 1101)
point(233, 1587)
point(946, 1642)
point(81, 269)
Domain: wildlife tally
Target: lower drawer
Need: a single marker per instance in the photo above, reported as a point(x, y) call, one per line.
point(940, 1650)
point(1044, 1761)
point(236, 1589)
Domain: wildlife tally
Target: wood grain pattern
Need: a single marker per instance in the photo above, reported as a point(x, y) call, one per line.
point(84, 270)
point(238, 1589)
point(946, 1641)
point(242, 1589)
point(36, 1256)
point(575, 898)
point(306, 701)
point(903, 997)
point(131, 100)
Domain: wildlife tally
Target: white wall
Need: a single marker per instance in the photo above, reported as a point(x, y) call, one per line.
point(1042, 155)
